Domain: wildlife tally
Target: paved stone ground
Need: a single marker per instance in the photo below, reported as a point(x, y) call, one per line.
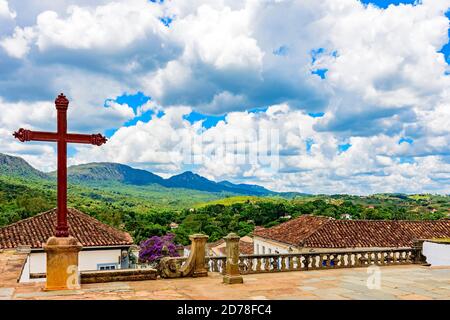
point(397, 282)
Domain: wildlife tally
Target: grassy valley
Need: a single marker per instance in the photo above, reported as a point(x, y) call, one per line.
point(144, 204)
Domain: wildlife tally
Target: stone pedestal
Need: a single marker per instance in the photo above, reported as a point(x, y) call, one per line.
point(62, 263)
point(198, 245)
point(232, 274)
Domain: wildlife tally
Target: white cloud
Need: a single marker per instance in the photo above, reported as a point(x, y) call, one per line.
point(385, 80)
point(106, 27)
point(18, 45)
point(239, 149)
point(5, 11)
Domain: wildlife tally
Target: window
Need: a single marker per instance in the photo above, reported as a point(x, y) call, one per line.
point(263, 249)
point(270, 250)
point(106, 266)
point(257, 248)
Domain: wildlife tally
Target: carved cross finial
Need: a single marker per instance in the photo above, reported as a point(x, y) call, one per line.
point(22, 134)
point(98, 139)
point(61, 102)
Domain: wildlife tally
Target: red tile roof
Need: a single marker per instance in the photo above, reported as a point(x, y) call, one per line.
point(36, 230)
point(245, 245)
point(319, 232)
point(293, 231)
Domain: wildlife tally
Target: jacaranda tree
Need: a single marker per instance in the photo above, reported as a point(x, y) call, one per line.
point(151, 250)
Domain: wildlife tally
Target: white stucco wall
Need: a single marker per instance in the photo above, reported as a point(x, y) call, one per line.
point(87, 259)
point(438, 254)
point(265, 246)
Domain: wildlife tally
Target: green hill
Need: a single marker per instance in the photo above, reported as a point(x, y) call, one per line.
point(105, 171)
point(17, 167)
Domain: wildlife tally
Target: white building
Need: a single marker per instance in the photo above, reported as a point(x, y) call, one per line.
point(104, 247)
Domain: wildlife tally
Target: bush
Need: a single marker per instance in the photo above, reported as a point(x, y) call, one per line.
point(151, 250)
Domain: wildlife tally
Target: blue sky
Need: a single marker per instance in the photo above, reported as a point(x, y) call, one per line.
point(308, 97)
point(385, 3)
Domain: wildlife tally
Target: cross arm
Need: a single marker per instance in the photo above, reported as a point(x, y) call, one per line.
point(29, 135)
point(95, 139)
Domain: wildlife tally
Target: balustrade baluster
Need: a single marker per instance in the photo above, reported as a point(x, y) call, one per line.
point(314, 260)
point(258, 264)
point(283, 263)
point(224, 265)
point(342, 260)
point(266, 264)
point(250, 265)
point(298, 261)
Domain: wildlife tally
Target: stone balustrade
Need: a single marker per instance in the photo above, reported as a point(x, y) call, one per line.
point(260, 263)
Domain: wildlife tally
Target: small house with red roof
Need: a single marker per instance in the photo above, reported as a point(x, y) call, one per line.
point(104, 247)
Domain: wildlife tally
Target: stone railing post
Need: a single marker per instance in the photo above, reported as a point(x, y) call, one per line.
point(232, 274)
point(198, 245)
point(419, 258)
point(195, 265)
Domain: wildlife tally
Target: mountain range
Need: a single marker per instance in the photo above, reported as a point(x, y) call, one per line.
point(106, 172)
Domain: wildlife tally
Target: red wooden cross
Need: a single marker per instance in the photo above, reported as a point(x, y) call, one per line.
point(62, 138)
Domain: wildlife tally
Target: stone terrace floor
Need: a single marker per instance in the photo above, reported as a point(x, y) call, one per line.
point(397, 282)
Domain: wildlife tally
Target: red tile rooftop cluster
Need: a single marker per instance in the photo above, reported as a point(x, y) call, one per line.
point(322, 232)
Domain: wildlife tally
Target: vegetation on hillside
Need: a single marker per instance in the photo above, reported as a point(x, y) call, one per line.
point(146, 211)
point(117, 195)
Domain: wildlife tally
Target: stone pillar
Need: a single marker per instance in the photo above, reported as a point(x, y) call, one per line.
point(232, 274)
point(62, 263)
point(419, 258)
point(198, 249)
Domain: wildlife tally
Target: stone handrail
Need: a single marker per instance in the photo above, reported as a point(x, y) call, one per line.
point(261, 263)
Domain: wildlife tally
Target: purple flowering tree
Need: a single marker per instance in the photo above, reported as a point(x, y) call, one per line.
point(152, 249)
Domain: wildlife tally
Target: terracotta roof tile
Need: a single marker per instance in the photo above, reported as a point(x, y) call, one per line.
point(330, 233)
point(36, 230)
point(293, 231)
point(245, 247)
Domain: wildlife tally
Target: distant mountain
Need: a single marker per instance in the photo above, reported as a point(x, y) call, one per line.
point(115, 172)
point(247, 187)
point(17, 167)
point(106, 171)
point(192, 180)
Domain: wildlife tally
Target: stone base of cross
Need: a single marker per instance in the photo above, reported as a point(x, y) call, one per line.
point(62, 263)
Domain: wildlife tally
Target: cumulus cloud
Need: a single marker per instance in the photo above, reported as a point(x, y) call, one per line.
point(374, 81)
point(5, 11)
point(271, 148)
point(18, 45)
